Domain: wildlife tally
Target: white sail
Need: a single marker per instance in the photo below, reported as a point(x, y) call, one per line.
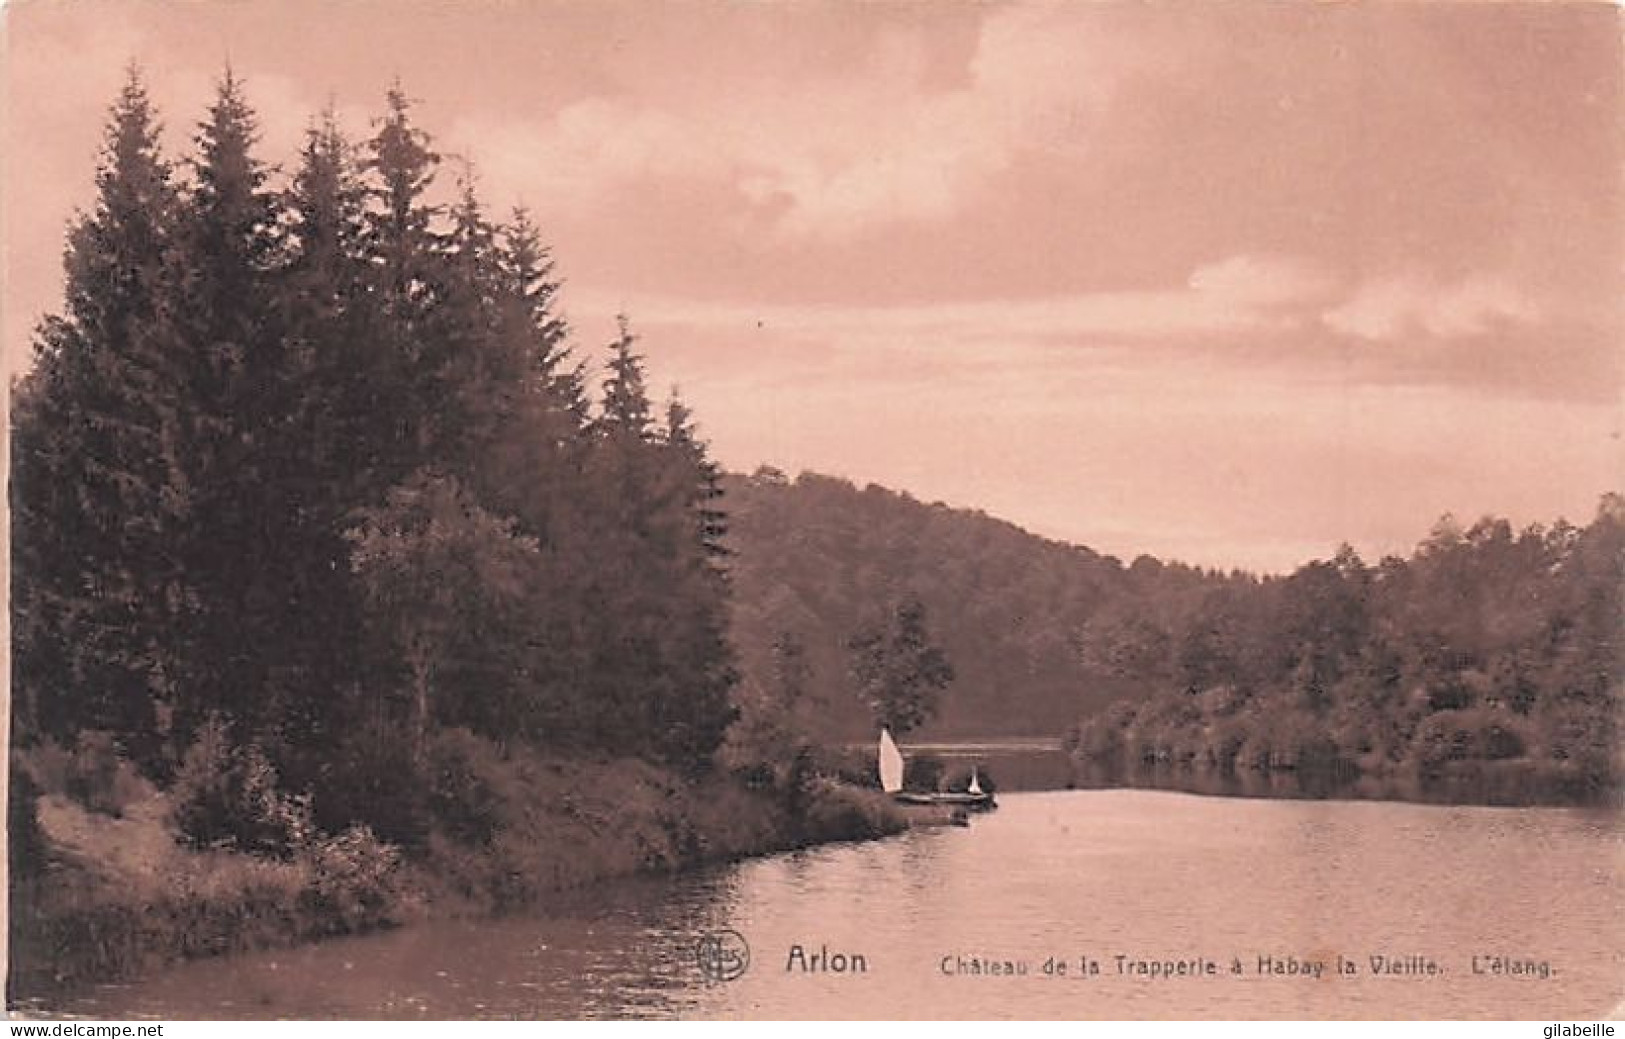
point(975, 782)
point(891, 764)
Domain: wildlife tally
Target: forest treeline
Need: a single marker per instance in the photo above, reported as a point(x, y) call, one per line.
point(1487, 647)
point(817, 558)
point(1488, 653)
point(313, 504)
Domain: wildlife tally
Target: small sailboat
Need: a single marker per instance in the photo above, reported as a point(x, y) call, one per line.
point(891, 764)
point(890, 761)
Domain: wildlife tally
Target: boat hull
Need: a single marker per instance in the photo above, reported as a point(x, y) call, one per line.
point(969, 802)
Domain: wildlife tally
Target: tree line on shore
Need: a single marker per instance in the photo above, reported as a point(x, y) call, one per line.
point(307, 476)
point(1488, 649)
point(1488, 652)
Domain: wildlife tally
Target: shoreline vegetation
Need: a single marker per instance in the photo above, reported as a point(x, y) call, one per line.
point(1488, 663)
point(111, 891)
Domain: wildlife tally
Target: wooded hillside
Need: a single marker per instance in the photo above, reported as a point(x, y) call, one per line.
point(1485, 645)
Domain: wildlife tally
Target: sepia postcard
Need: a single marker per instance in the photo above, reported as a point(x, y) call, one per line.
point(814, 510)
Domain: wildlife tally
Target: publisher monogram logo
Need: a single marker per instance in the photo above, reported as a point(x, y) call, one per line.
point(722, 955)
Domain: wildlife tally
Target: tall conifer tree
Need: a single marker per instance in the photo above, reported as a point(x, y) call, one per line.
point(223, 331)
point(96, 490)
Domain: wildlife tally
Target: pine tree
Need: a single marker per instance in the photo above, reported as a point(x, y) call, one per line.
point(326, 204)
point(328, 320)
point(703, 476)
point(532, 289)
point(271, 427)
point(694, 726)
point(223, 333)
point(626, 411)
point(96, 487)
point(408, 264)
point(401, 222)
point(327, 450)
point(542, 454)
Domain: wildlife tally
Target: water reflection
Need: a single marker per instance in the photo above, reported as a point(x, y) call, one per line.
point(1495, 789)
point(1077, 875)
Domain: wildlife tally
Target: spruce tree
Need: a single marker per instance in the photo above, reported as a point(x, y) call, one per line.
point(406, 252)
point(222, 332)
point(626, 411)
point(692, 724)
point(327, 449)
point(271, 427)
point(96, 491)
point(532, 288)
point(701, 476)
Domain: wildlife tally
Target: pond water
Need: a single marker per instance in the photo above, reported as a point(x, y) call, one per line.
point(1473, 912)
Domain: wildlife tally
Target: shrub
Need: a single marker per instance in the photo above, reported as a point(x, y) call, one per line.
point(226, 796)
point(838, 812)
point(1322, 755)
point(376, 782)
point(355, 878)
point(465, 778)
point(1477, 734)
point(854, 766)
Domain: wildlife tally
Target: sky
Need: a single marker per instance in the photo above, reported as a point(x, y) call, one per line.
point(1225, 283)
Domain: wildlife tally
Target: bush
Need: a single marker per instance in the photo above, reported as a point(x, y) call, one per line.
point(355, 879)
point(838, 812)
point(1476, 734)
point(376, 782)
point(853, 766)
point(465, 777)
point(226, 796)
point(1323, 756)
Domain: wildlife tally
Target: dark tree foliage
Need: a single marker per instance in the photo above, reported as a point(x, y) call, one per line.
point(223, 338)
point(899, 671)
point(98, 492)
point(1487, 653)
point(308, 460)
point(663, 600)
point(704, 478)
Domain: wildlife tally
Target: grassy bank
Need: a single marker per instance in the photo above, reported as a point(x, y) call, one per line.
point(108, 889)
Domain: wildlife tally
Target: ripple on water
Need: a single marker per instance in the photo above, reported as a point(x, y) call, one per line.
point(1076, 873)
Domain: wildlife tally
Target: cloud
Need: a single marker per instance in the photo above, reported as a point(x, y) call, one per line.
point(1263, 280)
point(836, 154)
point(1396, 308)
point(1271, 316)
point(1239, 294)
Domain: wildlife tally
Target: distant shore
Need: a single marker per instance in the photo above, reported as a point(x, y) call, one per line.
point(1512, 785)
point(1040, 763)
